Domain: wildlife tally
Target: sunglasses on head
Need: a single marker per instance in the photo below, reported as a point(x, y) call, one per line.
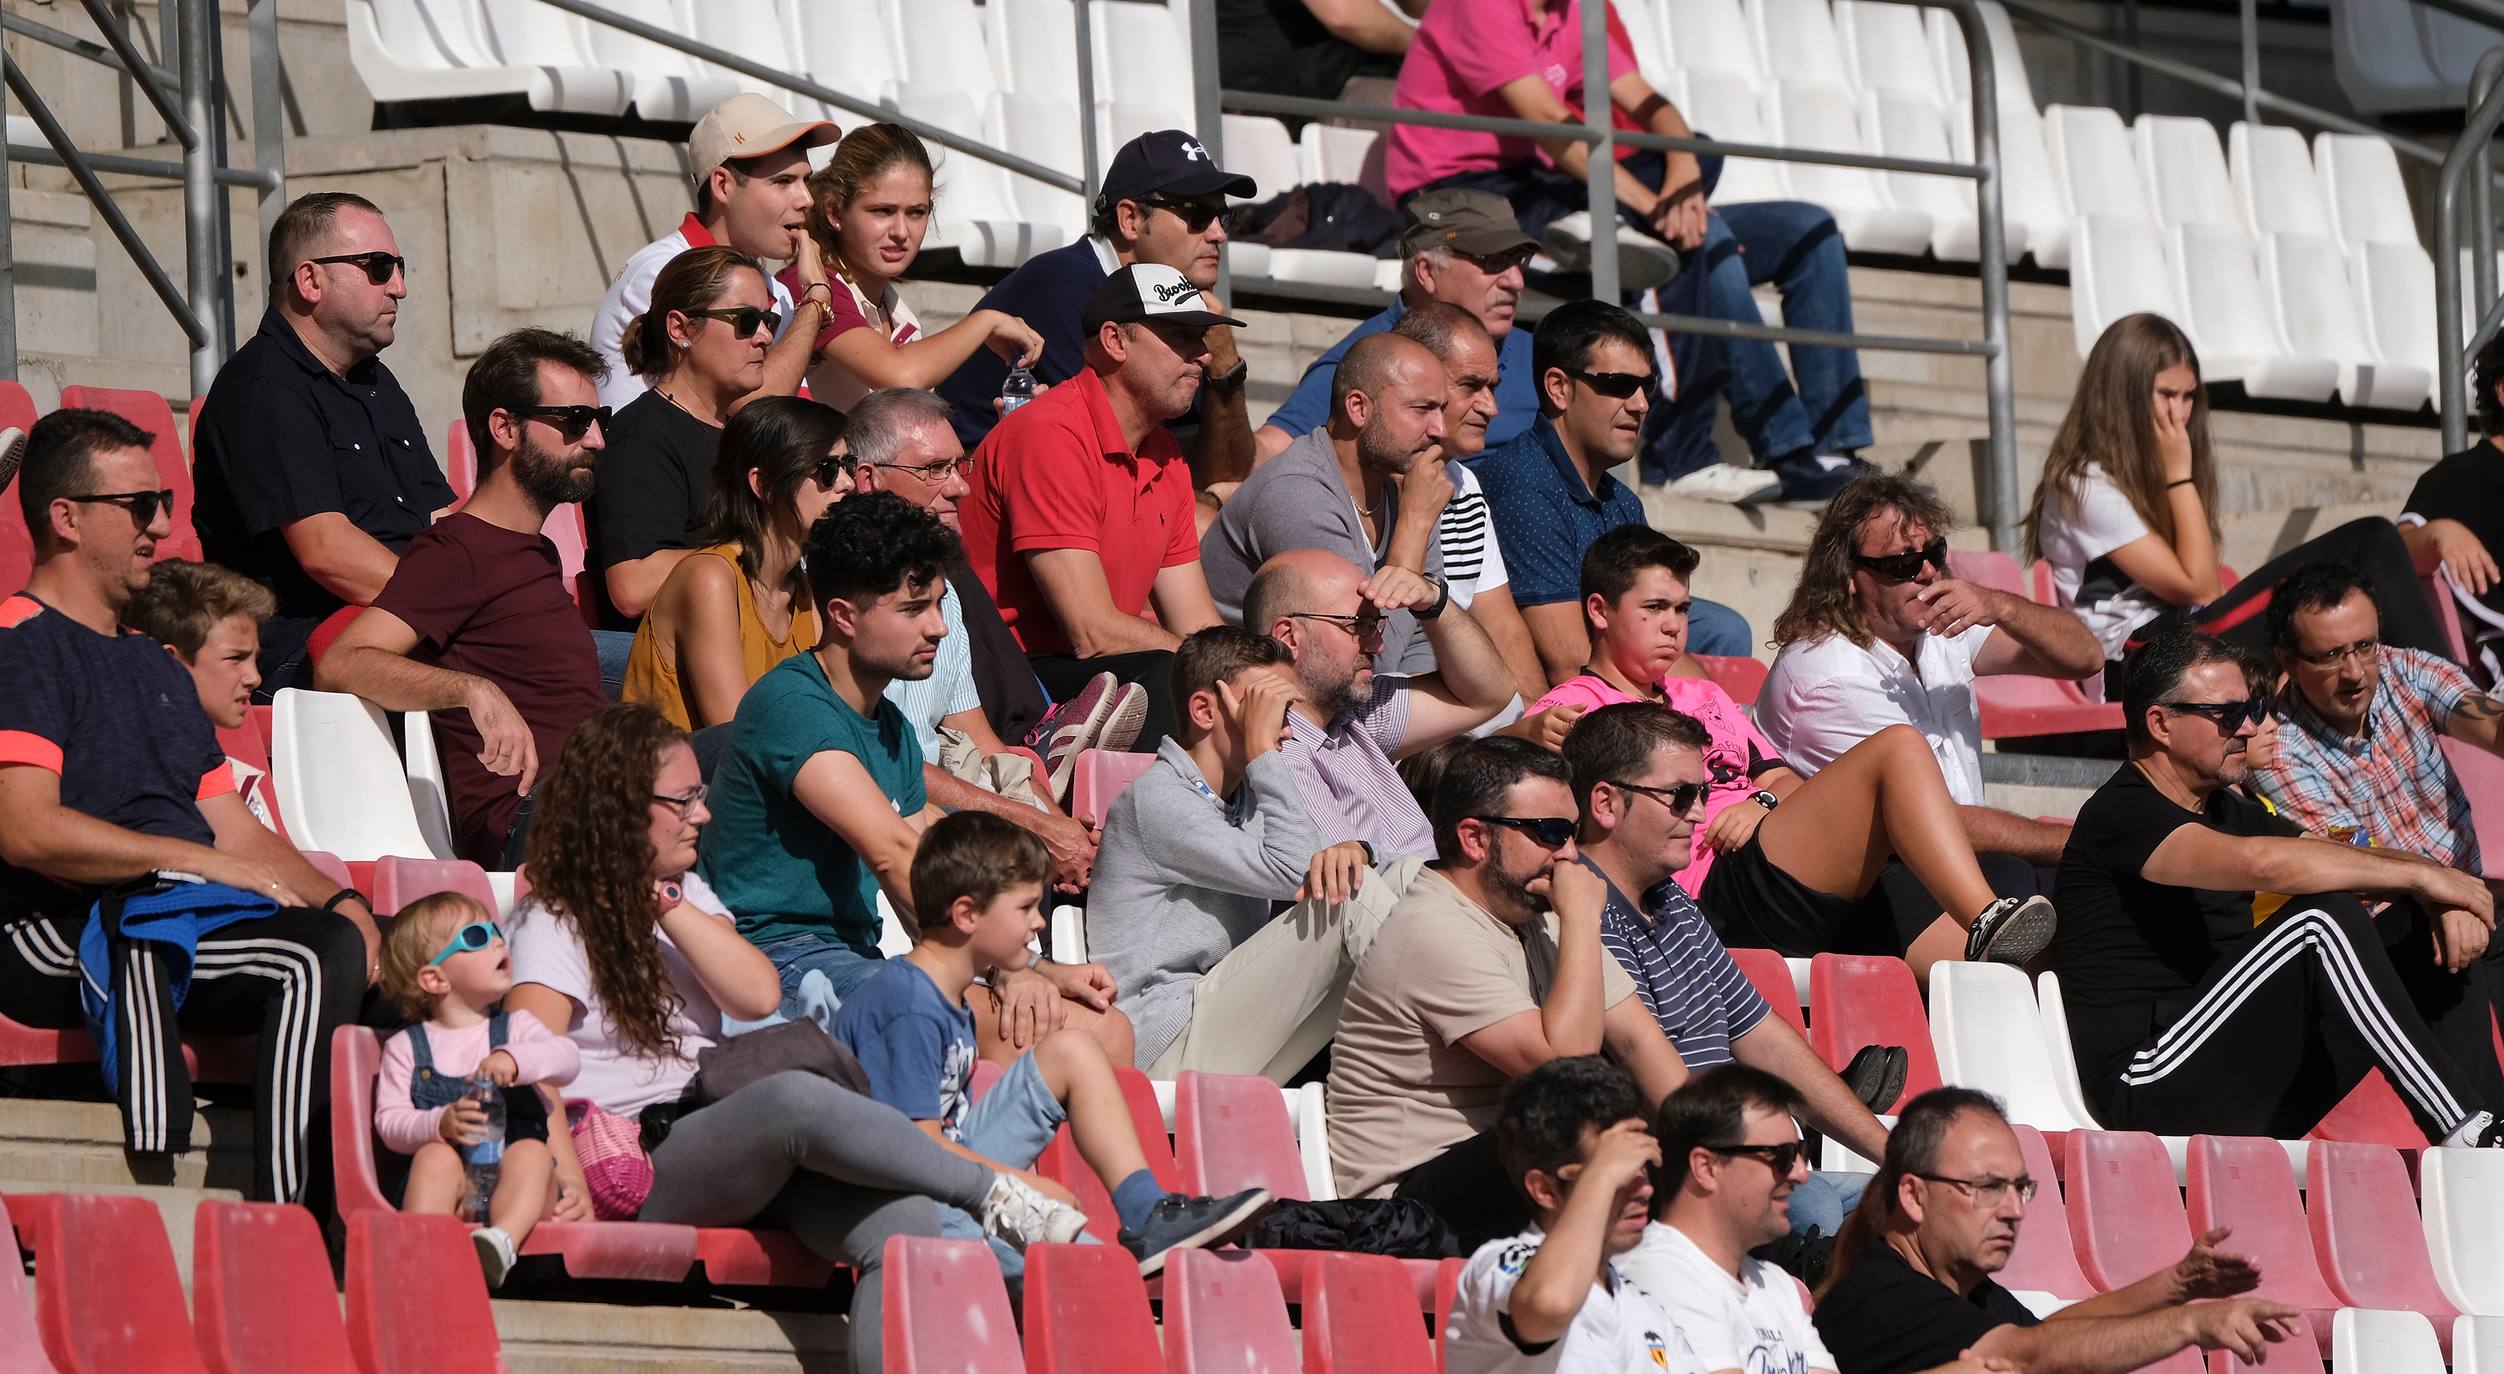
point(2227, 716)
point(744, 320)
point(1196, 215)
point(379, 266)
point(1905, 566)
point(1617, 386)
point(142, 505)
point(1547, 832)
point(469, 939)
point(1679, 799)
point(572, 422)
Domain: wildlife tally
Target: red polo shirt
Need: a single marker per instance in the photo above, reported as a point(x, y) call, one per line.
point(1059, 475)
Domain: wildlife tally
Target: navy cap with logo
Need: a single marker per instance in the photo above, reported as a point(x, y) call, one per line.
point(1149, 293)
point(1170, 161)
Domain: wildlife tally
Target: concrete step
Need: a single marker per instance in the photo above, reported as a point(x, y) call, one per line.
point(588, 1338)
point(56, 1145)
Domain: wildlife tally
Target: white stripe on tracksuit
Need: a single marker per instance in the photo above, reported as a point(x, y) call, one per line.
point(42, 949)
point(2288, 939)
point(299, 975)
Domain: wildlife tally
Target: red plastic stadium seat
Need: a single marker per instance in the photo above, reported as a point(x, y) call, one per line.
point(460, 461)
point(1231, 1132)
point(2481, 776)
point(947, 1310)
point(329, 866)
point(1362, 1318)
point(2372, 1113)
point(110, 1300)
point(1742, 678)
point(2246, 1183)
point(149, 411)
point(1856, 1000)
point(2298, 1354)
point(398, 882)
point(1447, 1297)
point(2043, 1260)
point(261, 1291)
point(416, 1301)
point(1222, 1312)
point(17, 547)
point(2447, 615)
point(2366, 1235)
point(735, 1257)
point(1099, 777)
point(1087, 1312)
point(566, 530)
point(1061, 1162)
point(21, 1340)
point(2017, 706)
point(2125, 1216)
point(1771, 973)
point(1148, 1119)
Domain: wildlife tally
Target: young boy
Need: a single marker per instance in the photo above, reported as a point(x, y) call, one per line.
point(209, 619)
point(978, 886)
point(1572, 1138)
point(1196, 858)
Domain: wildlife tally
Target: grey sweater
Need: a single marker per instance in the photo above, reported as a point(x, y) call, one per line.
point(1181, 879)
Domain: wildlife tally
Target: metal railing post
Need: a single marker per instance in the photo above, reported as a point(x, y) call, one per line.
point(269, 113)
point(8, 255)
point(1209, 115)
point(2251, 60)
point(2482, 82)
point(1999, 497)
point(2451, 350)
point(1601, 152)
point(168, 104)
point(202, 200)
point(1090, 157)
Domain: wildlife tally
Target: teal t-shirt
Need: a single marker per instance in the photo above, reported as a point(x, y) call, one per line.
point(782, 870)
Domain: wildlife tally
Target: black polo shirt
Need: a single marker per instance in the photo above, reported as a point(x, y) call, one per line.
point(1886, 1317)
point(282, 438)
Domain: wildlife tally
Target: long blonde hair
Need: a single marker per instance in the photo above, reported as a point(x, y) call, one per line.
point(2112, 425)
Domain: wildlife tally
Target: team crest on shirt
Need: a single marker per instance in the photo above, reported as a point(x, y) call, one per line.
point(1516, 1257)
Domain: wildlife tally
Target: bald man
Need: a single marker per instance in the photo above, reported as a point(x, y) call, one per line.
point(1368, 486)
point(1349, 724)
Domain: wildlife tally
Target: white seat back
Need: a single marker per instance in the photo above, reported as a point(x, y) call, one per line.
point(1143, 58)
point(1645, 30)
point(1327, 152)
point(1822, 117)
point(1989, 1035)
point(941, 43)
point(2274, 181)
point(1043, 129)
point(753, 29)
point(1261, 148)
point(1712, 35)
point(1903, 124)
point(2054, 1012)
point(2384, 1342)
point(843, 44)
point(428, 796)
point(1947, 41)
point(1034, 44)
point(2360, 178)
point(1796, 41)
point(432, 33)
point(2228, 312)
point(2461, 1203)
point(1725, 105)
point(2478, 1345)
point(339, 779)
point(2395, 294)
point(1889, 50)
point(2186, 172)
point(2030, 190)
point(2092, 154)
point(969, 188)
point(2116, 268)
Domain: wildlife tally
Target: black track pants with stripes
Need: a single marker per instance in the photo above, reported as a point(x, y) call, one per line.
point(2306, 1004)
point(288, 979)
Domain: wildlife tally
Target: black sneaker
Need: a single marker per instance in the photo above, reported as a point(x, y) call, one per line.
point(1876, 1075)
point(1183, 1222)
point(2010, 931)
point(1811, 481)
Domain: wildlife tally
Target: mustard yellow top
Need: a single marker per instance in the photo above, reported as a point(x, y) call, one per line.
point(652, 667)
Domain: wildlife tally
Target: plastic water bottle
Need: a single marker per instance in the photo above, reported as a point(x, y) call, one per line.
point(1016, 390)
point(484, 1161)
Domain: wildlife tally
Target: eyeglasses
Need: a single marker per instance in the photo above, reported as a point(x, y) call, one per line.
point(469, 939)
point(142, 505)
point(1196, 215)
point(1782, 1159)
point(744, 320)
point(685, 802)
point(1905, 566)
point(2363, 649)
point(1987, 1192)
point(1617, 386)
point(940, 471)
point(1497, 264)
point(1679, 799)
point(2227, 716)
point(379, 266)
point(572, 422)
point(1547, 832)
point(1364, 624)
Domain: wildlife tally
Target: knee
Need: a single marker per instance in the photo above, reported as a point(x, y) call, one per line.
point(1898, 743)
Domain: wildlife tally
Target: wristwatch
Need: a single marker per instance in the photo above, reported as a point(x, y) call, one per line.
point(1764, 799)
point(1232, 379)
point(1443, 598)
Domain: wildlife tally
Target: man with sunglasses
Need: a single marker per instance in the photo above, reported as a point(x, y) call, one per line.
point(2187, 1016)
point(478, 626)
point(311, 465)
point(116, 791)
point(1920, 1294)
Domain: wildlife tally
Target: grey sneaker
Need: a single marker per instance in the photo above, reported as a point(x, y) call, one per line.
point(1183, 1222)
point(2010, 931)
point(495, 1253)
point(1016, 1213)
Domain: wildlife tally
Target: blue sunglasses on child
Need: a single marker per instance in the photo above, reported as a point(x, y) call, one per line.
point(469, 939)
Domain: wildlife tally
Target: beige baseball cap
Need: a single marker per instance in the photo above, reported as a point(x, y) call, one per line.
point(749, 125)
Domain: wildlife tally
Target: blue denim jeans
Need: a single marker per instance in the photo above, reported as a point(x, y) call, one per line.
point(614, 648)
point(817, 974)
point(1823, 1202)
point(1011, 1125)
point(1796, 247)
point(1713, 628)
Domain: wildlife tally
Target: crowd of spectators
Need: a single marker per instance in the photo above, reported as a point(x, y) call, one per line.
point(1443, 809)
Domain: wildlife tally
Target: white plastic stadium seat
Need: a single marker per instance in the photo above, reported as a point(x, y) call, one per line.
point(434, 50)
point(2116, 268)
point(2092, 156)
point(2395, 296)
point(1989, 1035)
point(1034, 45)
point(1889, 50)
point(1645, 30)
point(2384, 1342)
point(749, 28)
point(2055, 1020)
point(842, 44)
point(1043, 129)
point(1725, 105)
point(1261, 148)
point(2186, 174)
point(941, 43)
point(2313, 319)
point(1323, 267)
point(669, 88)
point(977, 205)
point(1822, 117)
point(428, 796)
point(2227, 313)
point(1796, 40)
point(2274, 181)
point(1712, 35)
point(1305, 1112)
point(2461, 1200)
point(1901, 124)
point(1142, 57)
point(1327, 152)
point(1947, 43)
point(2360, 178)
point(339, 779)
point(2478, 1345)
point(2030, 191)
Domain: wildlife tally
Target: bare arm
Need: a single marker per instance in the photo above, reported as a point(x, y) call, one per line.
point(1557, 1282)
point(1072, 583)
point(633, 584)
point(2447, 543)
point(1563, 638)
point(2044, 641)
point(1224, 449)
point(349, 563)
point(1993, 831)
point(1530, 97)
point(1771, 1045)
point(1569, 1020)
point(1364, 23)
point(843, 797)
point(924, 362)
point(2196, 856)
point(735, 973)
point(1635, 1041)
point(74, 847)
point(370, 660)
point(1181, 597)
point(2072, 1341)
point(1495, 613)
point(2478, 720)
point(2184, 572)
point(700, 605)
point(1268, 442)
point(1471, 681)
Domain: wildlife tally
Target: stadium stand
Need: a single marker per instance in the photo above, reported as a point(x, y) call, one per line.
point(110, 1298)
point(416, 1301)
point(1360, 1319)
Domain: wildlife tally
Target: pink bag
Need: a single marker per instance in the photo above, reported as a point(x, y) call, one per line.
point(615, 1167)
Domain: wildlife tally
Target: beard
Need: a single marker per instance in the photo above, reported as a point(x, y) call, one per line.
point(1337, 698)
point(552, 478)
point(1377, 449)
point(1510, 893)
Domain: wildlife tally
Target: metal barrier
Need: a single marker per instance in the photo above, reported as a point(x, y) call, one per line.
point(2470, 152)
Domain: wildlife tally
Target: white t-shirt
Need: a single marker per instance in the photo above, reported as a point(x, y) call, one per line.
point(1473, 561)
point(631, 294)
point(1826, 695)
point(2079, 528)
point(1619, 1329)
point(1756, 1323)
point(950, 687)
point(548, 950)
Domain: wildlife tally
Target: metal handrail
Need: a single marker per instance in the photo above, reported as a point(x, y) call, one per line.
point(2451, 351)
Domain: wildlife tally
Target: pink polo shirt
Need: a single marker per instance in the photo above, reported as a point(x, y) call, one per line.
point(1737, 745)
point(1464, 51)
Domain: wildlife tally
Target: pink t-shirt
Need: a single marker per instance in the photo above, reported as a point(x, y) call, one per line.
point(1464, 51)
point(1738, 747)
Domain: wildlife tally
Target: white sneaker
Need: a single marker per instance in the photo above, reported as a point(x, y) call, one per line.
point(495, 1253)
point(1726, 482)
point(1016, 1213)
point(1643, 262)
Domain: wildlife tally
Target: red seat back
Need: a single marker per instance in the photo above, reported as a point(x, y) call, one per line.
point(261, 1292)
point(17, 546)
point(2447, 616)
point(1988, 568)
point(356, 1055)
point(398, 882)
point(329, 866)
point(2298, 1354)
point(1099, 777)
point(1861, 999)
point(417, 1303)
point(111, 1300)
point(460, 461)
point(946, 1309)
point(1742, 678)
point(566, 530)
point(1148, 1119)
point(1447, 1297)
point(1771, 973)
point(1232, 1132)
point(149, 411)
point(2373, 1113)
point(2125, 1216)
point(2481, 776)
point(1223, 1312)
point(1087, 1312)
point(2043, 1260)
point(21, 1339)
point(2361, 1214)
point(2246, 1183)
point(1362, 1318)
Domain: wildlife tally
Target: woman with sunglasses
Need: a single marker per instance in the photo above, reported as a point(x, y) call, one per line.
point(623, 948)
point(2126, 512)
point(741, 604)
point(702, 346)
point(874, 202)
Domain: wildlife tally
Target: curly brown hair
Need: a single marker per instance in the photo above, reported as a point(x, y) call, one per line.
point(590, 859)
point(1821, 602)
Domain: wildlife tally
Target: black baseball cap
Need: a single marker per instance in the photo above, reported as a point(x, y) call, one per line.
point(1171, 161)
point(1148, 292)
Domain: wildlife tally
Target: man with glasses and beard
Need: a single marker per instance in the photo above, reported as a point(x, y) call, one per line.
point(1489, 967)
point(2188, 1016)
point(476, 625)
point(311, 464)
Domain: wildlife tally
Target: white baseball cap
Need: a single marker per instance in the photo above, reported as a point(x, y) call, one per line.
point(749, 125)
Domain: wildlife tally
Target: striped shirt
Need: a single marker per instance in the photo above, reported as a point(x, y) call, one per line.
point(1345, 775)
point(1686, 979)
point(2392, 783)
point(1473, 560)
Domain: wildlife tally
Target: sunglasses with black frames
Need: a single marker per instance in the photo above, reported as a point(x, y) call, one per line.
point(744, 320)
point(1196, 215)
point(1905, 566)
point(1547, 832)
point(379, 266)
point(2227, 716)
point(1679, 799)
point(1617, 386)
point(142, 505)
point(1779, 1158)
point(572, 422)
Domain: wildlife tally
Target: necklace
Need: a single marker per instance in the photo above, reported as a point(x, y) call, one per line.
point(682, 408)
